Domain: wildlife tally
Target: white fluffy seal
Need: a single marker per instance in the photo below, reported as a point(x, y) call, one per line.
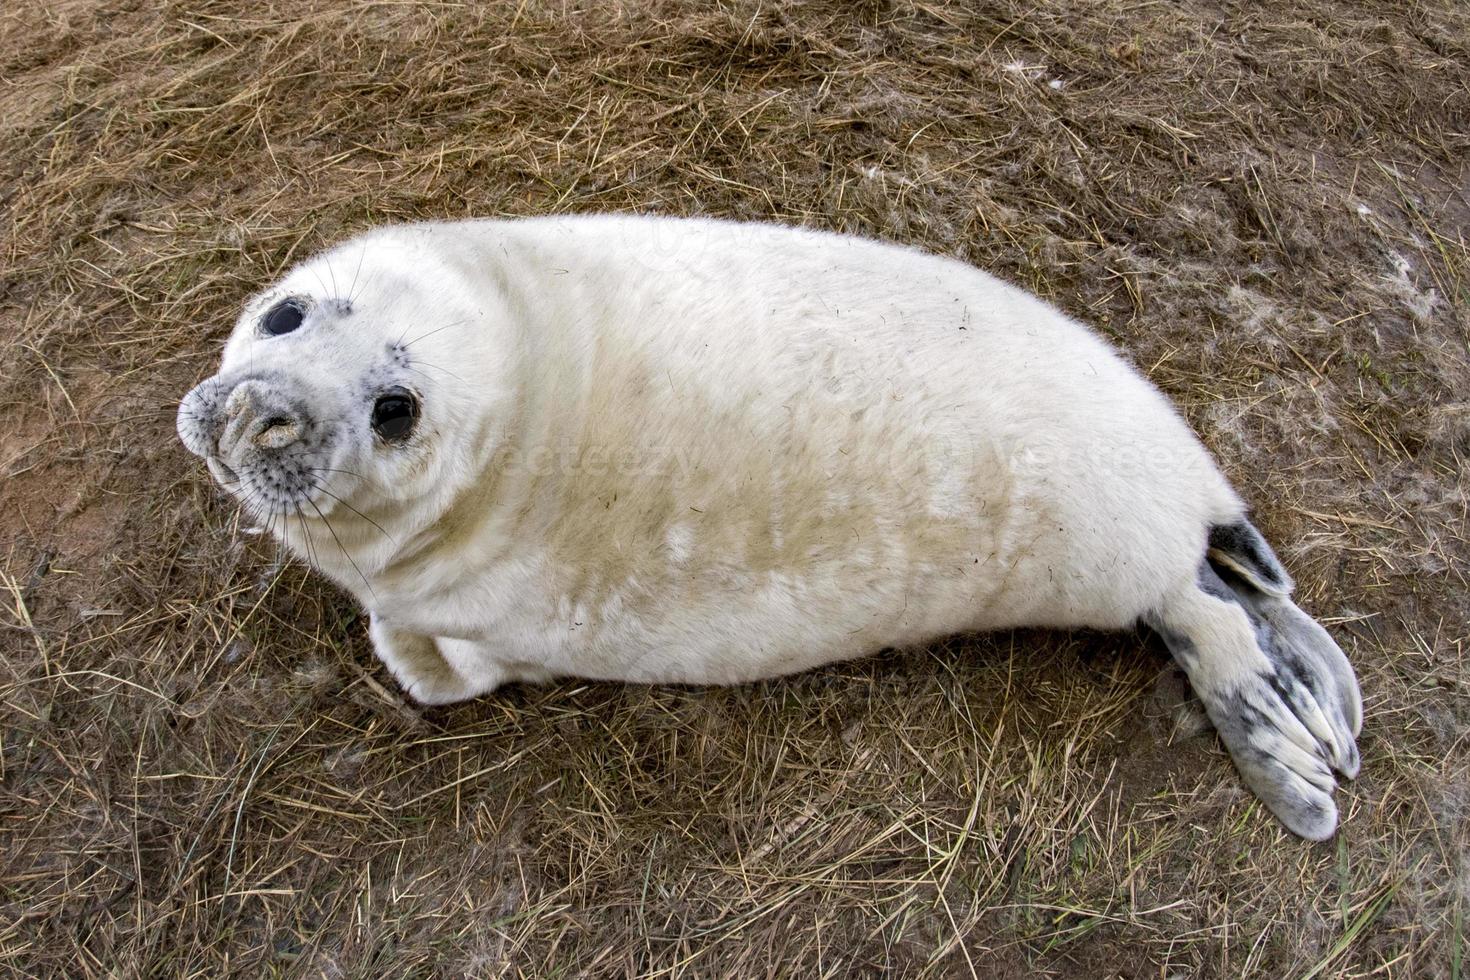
point(662, 450)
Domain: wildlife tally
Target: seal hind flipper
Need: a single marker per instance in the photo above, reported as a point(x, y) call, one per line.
point(1280, 692)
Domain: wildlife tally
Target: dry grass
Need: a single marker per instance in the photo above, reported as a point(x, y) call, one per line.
point(202, 770)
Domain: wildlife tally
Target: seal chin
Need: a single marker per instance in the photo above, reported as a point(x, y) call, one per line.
point(221, 471)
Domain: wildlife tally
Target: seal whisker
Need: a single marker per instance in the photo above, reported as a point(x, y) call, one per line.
point(343, 548)
point(253, 498)
point(271, 513)
point(435, 367)
point(275, 526)
point(319, 280)
point(306, 537)
point(424, 336)
point(322, 487)
point(336, 294)
point(352, 289)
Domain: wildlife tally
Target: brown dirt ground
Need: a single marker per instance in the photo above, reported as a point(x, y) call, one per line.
point(204, 772)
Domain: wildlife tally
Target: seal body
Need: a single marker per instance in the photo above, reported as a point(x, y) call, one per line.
point(666, 450)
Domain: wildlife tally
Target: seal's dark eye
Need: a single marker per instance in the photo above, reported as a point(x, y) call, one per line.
point(394, 415)
point(284, 317)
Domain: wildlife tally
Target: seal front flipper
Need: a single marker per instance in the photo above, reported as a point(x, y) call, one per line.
point(443, 669)
point(417, 663)
point(1280, 692)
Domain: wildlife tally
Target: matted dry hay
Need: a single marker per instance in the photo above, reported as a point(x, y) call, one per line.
point(202, 770)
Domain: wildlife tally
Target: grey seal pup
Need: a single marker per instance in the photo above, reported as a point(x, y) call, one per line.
point(666, 450)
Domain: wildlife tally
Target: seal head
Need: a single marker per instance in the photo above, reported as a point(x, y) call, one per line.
point(336, 398)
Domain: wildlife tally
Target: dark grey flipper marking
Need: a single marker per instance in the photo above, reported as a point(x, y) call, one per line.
point(1241, 548)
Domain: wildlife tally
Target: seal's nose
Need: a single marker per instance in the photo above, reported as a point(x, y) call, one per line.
point(257, 415)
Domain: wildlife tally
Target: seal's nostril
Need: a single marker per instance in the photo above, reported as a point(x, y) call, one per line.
point(276, 432)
